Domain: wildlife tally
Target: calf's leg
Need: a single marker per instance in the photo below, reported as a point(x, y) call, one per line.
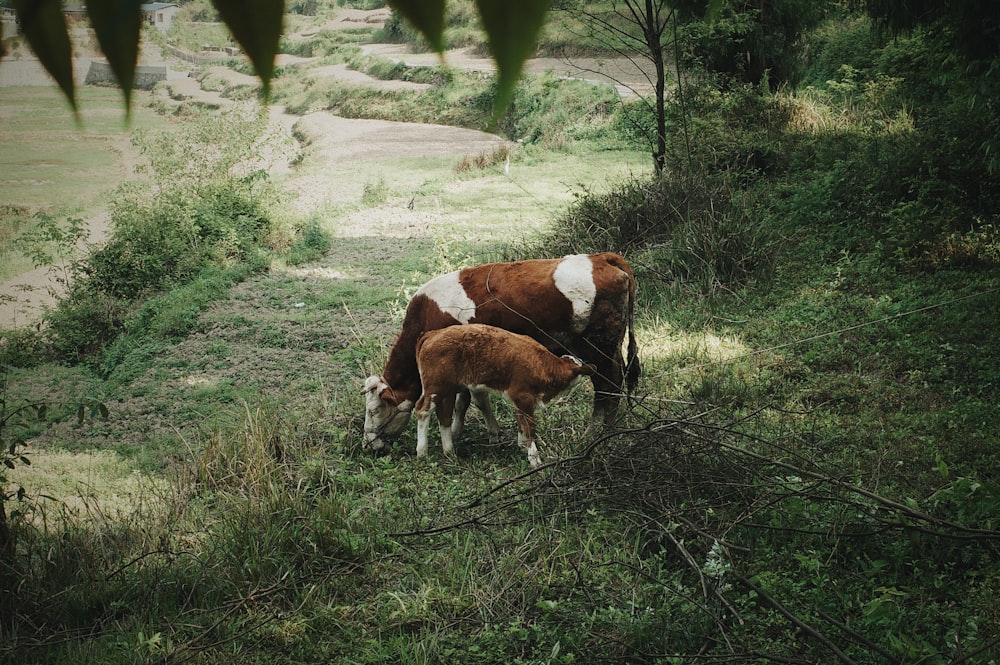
point(423, 408)
point(445, 412)
point(525, 406)
point(461, 407)
point(482, 400)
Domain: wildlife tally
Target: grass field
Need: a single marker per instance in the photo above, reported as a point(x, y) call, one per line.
point(808, 473)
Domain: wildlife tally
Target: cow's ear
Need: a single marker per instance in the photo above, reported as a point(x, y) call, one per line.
point(588, 370)
point(389, 397)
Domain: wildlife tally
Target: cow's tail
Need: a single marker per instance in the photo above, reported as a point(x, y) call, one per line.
point(633, 370)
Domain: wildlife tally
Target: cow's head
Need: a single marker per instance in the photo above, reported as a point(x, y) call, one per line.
point(385, 416)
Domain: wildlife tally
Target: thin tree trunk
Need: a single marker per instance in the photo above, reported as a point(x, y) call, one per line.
point(656, 51)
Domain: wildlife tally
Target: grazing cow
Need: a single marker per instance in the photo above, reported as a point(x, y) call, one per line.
point(580, 304)
point(478, 357)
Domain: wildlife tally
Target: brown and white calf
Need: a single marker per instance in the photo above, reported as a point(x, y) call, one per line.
point(580, 305)
point(479, 358)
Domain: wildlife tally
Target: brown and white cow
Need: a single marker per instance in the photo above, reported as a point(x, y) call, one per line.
point(475, 357)
point(580, 305)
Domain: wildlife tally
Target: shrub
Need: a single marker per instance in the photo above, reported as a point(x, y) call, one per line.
point(840, 41)
point(207, 214)
point(83, 323)
point(697, 230)
point(375, 193)
point(391, 70)
point(752, 43)
point(552, 111)
point(13, 218)
point(910, 165)
point(22, 347)
point(311, 242)
point(500, 154)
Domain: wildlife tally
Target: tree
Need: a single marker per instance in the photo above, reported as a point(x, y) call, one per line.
point(973, 26)
point(636, 29)
point(512, 28)
point(751, 40)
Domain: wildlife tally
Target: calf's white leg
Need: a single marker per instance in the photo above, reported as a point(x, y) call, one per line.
point(445, 413)
point(534, 459)
point(423, 422)
point(447, 443)
point(526, 427)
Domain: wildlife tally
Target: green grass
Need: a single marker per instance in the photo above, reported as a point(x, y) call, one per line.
point(816, 438)
point(46, 156)
point(53, 163)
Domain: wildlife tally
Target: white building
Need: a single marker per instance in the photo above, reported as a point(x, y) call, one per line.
point(159, 14)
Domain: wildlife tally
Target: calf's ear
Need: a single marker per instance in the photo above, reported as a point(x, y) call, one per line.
point(587, 370)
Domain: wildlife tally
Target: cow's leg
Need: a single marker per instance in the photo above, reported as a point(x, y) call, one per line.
point(607, 388)
point(461, 407)
point(525, 407)
point(423, 408)
point(482, 400)
point(445, 414)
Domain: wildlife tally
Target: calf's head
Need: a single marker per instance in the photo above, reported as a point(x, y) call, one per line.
point(579, 368)
point(385, 416)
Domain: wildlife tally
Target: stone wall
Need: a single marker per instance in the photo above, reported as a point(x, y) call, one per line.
point(146, 76)
point(201, 58)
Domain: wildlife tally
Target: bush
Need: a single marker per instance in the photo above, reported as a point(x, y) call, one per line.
point(751, 42)
point(909, 166)
point(311, 242)
point(83, 323)
point(22, 347)
point(840, 41)
point(692, 230)
point(203, 218)
point(552, 111)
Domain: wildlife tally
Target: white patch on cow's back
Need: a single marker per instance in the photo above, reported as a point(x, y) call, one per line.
point(447, 293)
point(574, 277)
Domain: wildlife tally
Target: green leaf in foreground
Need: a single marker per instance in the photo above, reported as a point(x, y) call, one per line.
point(44, 27)
point(427, 16)
point(256, 25)
point(116, 24)
point(512, 27)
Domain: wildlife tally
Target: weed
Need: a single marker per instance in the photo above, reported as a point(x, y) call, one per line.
point(311, 242)
point(501, 154)
point(375, 193)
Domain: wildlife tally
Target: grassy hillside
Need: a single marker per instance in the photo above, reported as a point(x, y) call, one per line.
point(807, 473)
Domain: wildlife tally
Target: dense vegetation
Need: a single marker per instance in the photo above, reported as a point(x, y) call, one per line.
point(809, 473)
